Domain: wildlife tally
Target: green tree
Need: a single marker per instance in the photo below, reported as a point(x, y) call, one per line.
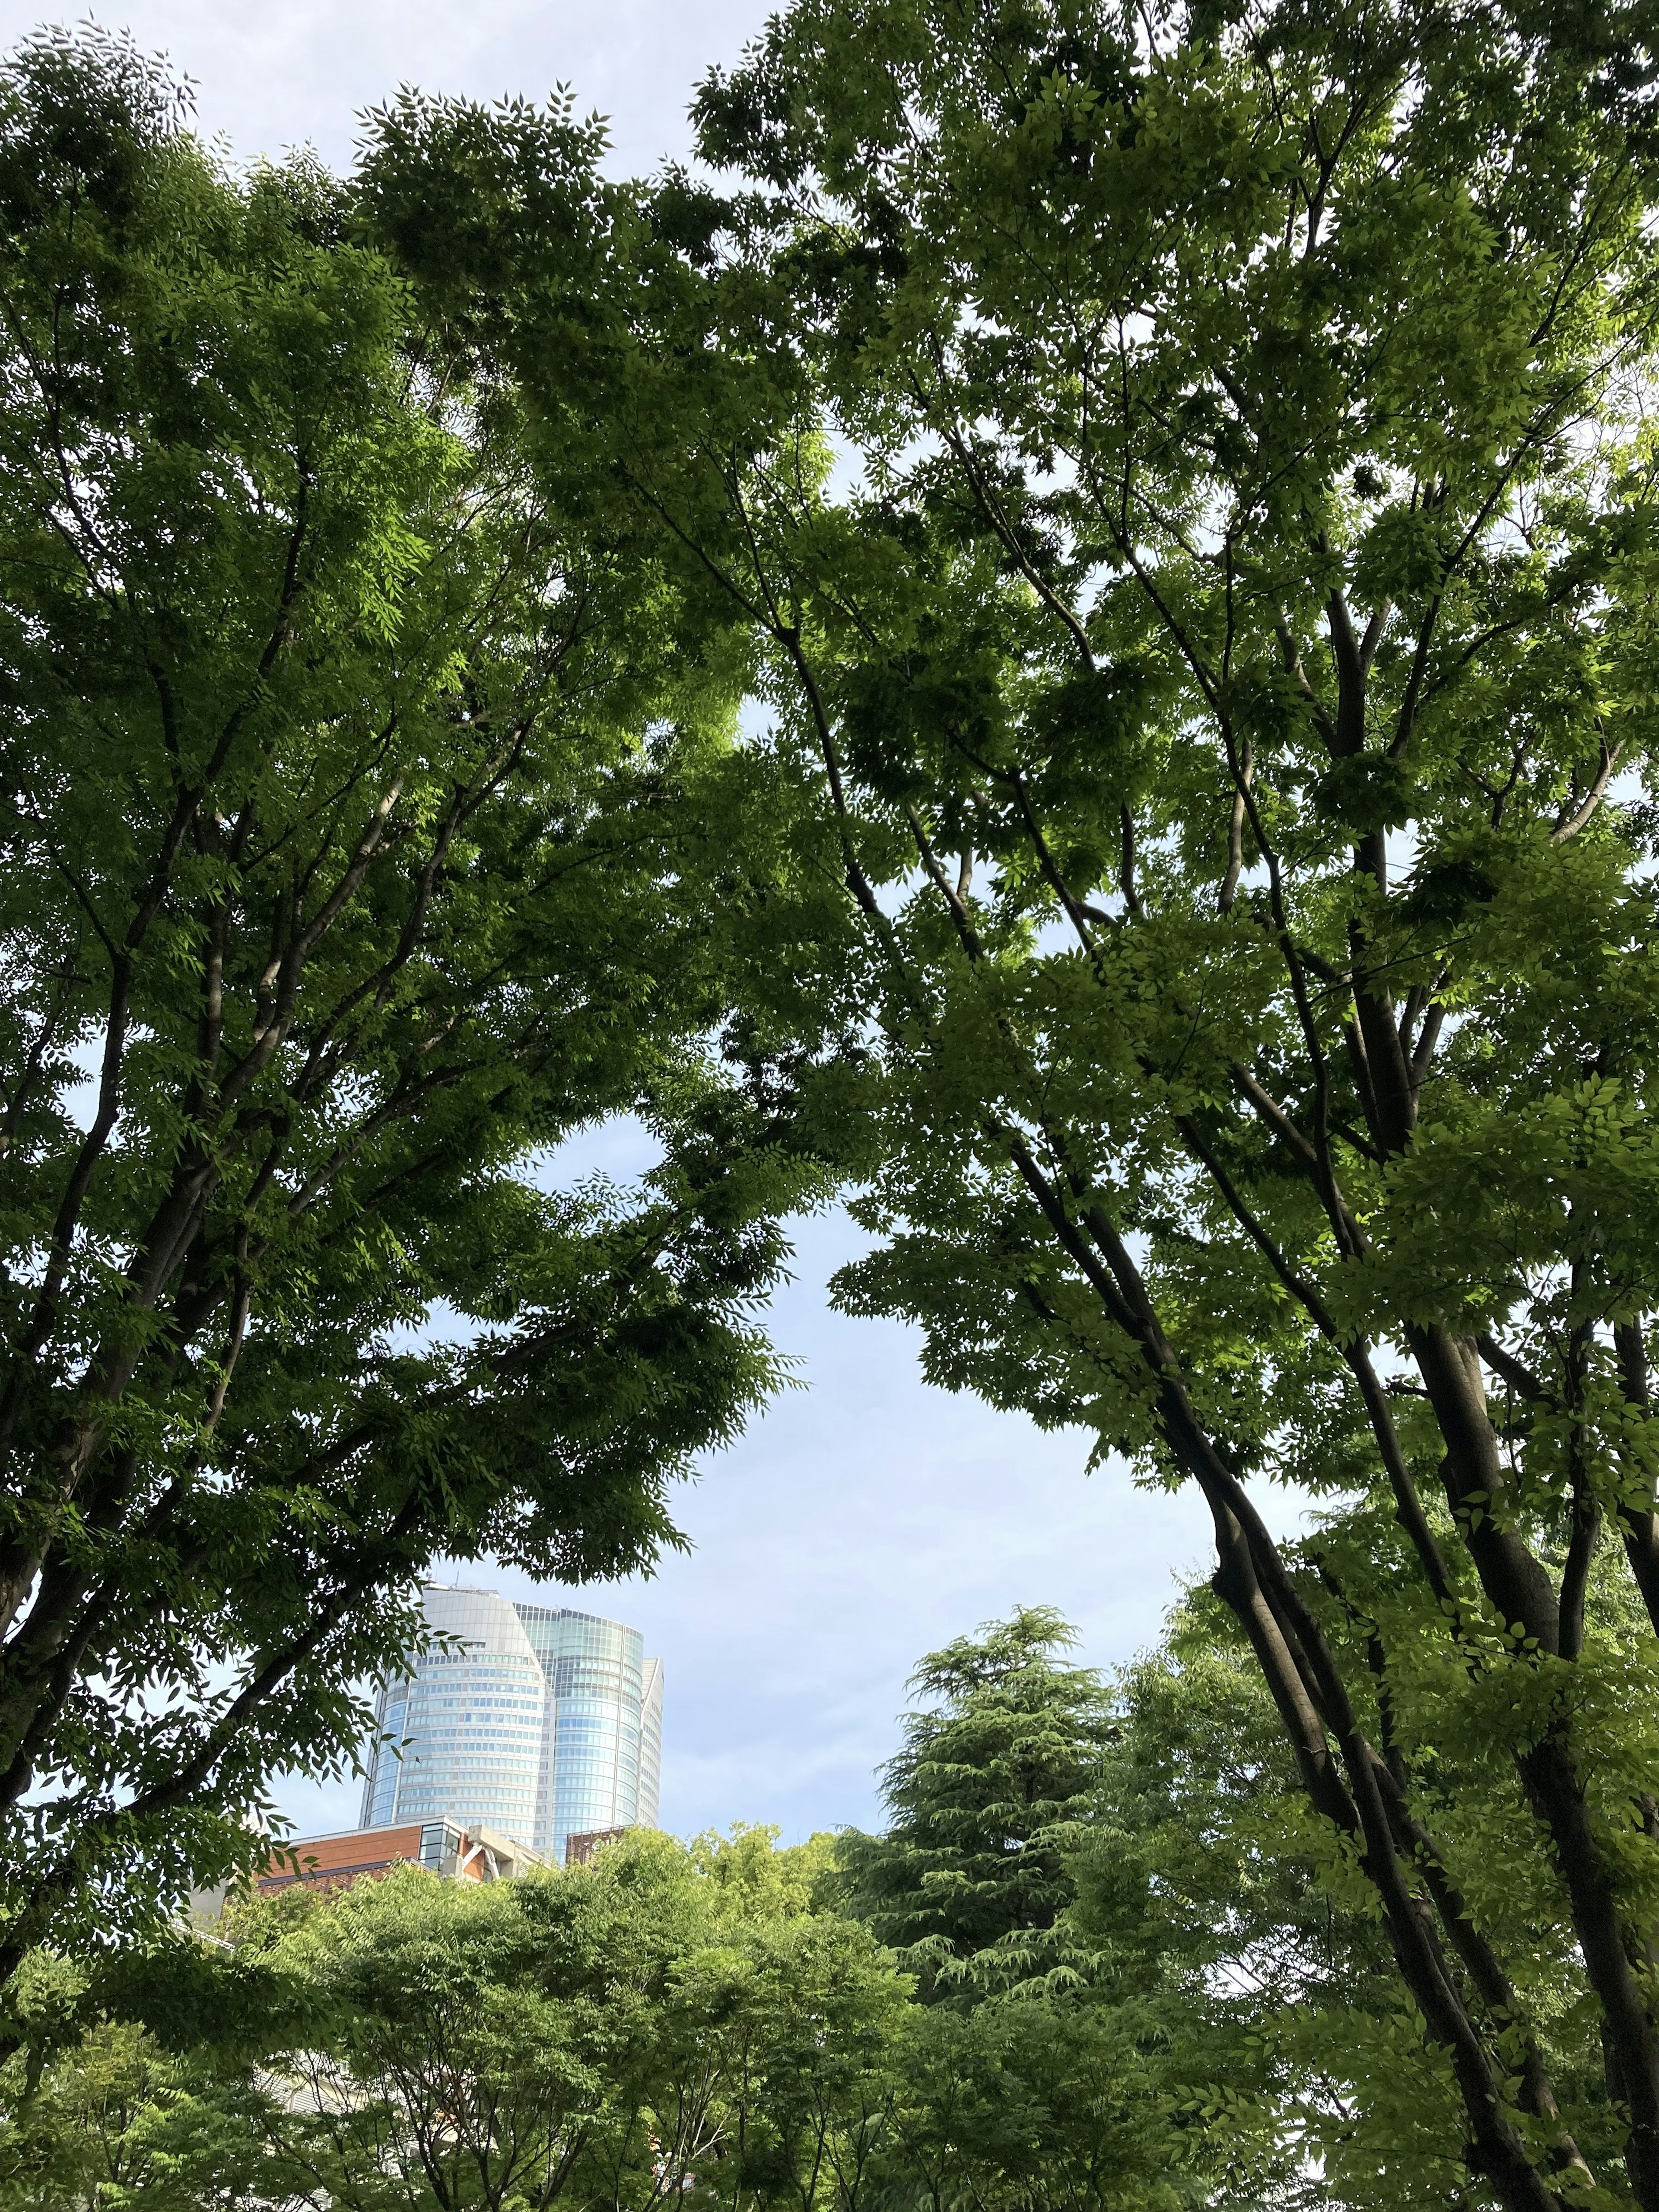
point(1037, 1875)
point(794, 2023)
point(985, 1796)
point(80, 2144)
point(670, 2024)
point(1250, 434)
point(752, 1877)
point(117, 2118)
point(1225, 1933)
point(366, 807)
point(615, 2037)
point(1220, 697)
point(1036, 2106)
point(489, 2045)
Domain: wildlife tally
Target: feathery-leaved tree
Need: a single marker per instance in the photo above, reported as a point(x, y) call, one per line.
point(1217, 690)
point(985, 1797)
point(364, 807)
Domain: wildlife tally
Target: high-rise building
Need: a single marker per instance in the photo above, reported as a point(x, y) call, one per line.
point(471, 1717)
point(602, 1746)
point(545, 1722)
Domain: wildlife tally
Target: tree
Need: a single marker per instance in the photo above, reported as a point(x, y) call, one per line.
point(489, 2045)
point(986, 1797)
point(1039, 2104)
point(1222, 693)
point(617, 2036)
point(669, 2024)
point(368, 823)
point(1257, 403)
point(1227, 1932)
point(795, 2021)
point(752, 1877)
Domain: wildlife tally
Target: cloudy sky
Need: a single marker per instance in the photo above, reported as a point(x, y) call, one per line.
point(865, 1519)
point(288, 72)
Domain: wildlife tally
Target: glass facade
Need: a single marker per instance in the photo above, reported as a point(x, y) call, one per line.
point(470, 1722)
point(548, 1724)
point(596, 1772)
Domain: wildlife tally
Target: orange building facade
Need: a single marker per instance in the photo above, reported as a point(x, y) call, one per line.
point(445, 1848)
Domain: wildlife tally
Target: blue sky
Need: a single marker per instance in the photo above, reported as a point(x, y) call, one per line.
point(866, 1518)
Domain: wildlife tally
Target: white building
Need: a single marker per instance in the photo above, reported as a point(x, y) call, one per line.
point(545, 1722)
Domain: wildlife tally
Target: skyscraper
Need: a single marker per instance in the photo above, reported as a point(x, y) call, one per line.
point(471, 1722)
point(547, 1723)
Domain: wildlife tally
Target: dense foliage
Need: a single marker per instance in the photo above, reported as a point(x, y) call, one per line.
point(1182, 482)
point(1197, 2020)
point(1193, 470)
point(365, 803)
point(1218, 673)
point(986, 1795)
point(668, 2025)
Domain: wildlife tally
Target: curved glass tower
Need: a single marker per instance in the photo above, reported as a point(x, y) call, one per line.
point(470, 1722)
point(557, 1713)
point(595, 1772)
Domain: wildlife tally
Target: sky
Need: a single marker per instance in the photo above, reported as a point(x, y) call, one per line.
point(272, 73)
point(866, 1519)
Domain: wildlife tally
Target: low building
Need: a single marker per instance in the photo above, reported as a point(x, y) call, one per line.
point(445, 1848)
point(579, 1850)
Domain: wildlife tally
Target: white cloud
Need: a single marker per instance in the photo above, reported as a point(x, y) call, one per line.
point(271, 78)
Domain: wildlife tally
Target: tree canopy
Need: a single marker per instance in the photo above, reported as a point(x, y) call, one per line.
point(1191, 473)
point(1205, 2016)
point(985, 1798)
point(667, 2024)
point(1180, 482)
point(369, 803)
